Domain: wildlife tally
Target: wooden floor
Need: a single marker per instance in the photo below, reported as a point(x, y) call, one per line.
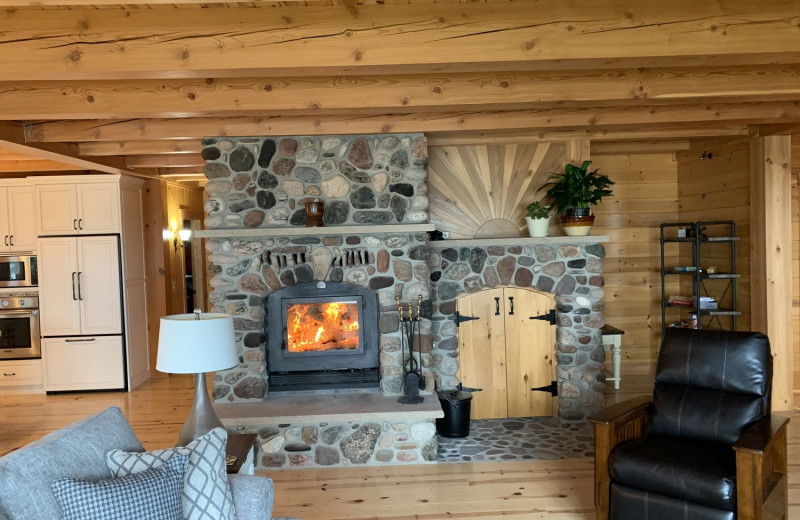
point(559, 490)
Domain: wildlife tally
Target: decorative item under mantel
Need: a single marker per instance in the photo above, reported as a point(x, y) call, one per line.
point(574, 192)
point(314, 212)
point(538, 219)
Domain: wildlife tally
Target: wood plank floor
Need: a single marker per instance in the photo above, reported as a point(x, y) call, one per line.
point(559, 490)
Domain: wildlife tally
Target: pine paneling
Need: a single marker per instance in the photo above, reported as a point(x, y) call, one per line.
point(153, 213)
point(645, 195)
point(718, 189)
point(796, 262)
point(177, 200)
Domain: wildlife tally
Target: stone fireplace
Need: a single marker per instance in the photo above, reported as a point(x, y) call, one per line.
point(373, 245)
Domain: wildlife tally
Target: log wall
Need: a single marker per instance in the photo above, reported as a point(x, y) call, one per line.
point(645, 195)
point(719, 189)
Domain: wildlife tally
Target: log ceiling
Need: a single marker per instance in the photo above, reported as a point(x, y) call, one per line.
point(97, 86)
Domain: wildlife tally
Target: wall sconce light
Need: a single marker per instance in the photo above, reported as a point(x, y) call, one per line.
point(184, 235)
point(706, 155)
point(177, 237)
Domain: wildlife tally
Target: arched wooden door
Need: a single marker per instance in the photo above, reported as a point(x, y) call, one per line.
point(505, 353)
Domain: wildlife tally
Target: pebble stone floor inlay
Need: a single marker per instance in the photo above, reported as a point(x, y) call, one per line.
point(525, 438)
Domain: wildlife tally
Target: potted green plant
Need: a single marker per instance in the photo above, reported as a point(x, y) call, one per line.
point(574, 192)
point(538, 219)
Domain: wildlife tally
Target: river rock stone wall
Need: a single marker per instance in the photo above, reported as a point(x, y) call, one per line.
point(362, 180)
point(330, 444)
point(245, 271)
point(573, 273)
point(259, 182)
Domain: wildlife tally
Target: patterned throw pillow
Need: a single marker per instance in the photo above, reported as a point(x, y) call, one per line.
point(154, 494)
point(206, 494)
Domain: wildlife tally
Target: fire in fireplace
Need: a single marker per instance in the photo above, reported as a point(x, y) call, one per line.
point(322, 326)
point(322, 335)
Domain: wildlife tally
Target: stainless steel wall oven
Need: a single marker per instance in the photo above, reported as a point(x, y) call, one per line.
point(19, 327)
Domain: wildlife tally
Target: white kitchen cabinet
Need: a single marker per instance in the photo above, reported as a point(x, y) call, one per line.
point(21, 375)
point(83, 363)
point(79, 285)
point(17, 217)
point(70, 206)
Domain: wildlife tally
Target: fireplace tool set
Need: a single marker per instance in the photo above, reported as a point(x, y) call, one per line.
point(412, 372)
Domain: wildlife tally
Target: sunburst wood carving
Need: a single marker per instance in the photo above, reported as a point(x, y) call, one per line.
point(482, 191)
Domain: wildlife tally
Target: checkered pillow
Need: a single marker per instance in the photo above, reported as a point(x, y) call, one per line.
point(206, 494)
point(154, 494)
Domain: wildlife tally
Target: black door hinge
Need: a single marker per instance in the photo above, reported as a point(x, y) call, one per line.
point(548, 317)
point(461, 318)
point(552, 388)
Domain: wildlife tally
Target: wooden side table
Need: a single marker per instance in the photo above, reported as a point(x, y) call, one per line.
point(242, 447)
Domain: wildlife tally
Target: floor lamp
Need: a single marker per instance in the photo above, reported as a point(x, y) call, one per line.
point(195, 344)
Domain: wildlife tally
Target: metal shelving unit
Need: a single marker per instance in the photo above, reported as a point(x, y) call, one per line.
point(721, 285)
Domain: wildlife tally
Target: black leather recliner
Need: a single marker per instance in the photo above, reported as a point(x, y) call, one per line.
point(705, 447)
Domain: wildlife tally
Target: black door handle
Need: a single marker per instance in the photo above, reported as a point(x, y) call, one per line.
point(511, 301)
point(497, 306)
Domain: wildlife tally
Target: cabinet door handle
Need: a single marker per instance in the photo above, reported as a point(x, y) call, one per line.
point(9, 375)
point(82, 340)
point(497, 306)
point(80, 223)
point(7, 240)
point(511, 301)
point(80, 297)
point(75, 224)
point(11, 240)
point(73, 286)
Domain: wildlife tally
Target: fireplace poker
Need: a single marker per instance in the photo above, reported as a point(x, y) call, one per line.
point(412, 378)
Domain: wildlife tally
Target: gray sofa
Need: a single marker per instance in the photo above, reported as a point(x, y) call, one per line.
point(79, 451)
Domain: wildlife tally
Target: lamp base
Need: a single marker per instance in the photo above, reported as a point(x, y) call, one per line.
point(202, 417)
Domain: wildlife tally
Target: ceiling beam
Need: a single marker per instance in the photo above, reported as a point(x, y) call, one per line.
point(639, 147)
point(531, 120)
point(776, 129)
point(299, 40)
point(104, 99)
point(187, 171)
point(34, 165)
point(115, 3)
point(182, 160)
point(12, 140)
point(140, 147)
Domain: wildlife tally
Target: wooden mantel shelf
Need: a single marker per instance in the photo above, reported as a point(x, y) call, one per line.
point(313, 231)
point(520, 241)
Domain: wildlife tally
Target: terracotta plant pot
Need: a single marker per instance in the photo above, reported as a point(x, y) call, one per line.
point(577, 226)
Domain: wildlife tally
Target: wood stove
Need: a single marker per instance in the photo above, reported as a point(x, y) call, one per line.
point(322, 335)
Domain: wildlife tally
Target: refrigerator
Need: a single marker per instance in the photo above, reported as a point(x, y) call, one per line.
point(82, 325)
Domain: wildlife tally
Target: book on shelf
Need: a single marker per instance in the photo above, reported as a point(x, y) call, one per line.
point(708, 303)
point(686, 301)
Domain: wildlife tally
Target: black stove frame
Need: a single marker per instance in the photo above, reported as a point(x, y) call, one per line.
point(354, 368)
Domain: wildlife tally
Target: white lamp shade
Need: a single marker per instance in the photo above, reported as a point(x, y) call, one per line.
point(187, 345)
